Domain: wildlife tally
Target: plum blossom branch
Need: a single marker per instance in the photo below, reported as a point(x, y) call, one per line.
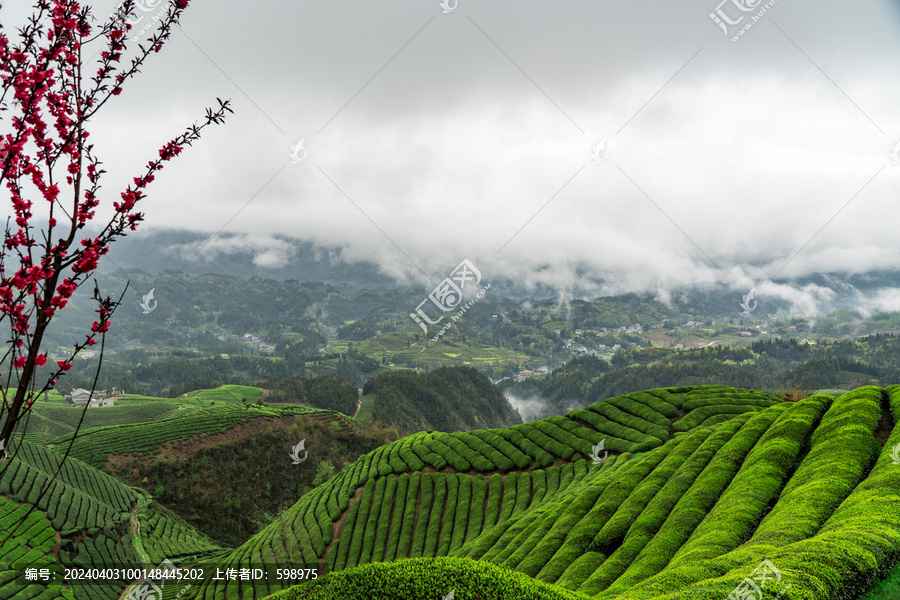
point(48, 168)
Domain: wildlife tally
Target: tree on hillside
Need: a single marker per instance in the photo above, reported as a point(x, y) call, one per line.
point(446, 399)
point(334, 393)
point(330, 391)
point(52, 177)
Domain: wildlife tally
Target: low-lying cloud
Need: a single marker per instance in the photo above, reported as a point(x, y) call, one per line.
point(469, 135)
point(266, 251)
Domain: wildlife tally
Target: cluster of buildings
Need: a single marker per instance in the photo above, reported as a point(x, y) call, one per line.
point(524, 374)
point(254, 339)
point(570, 342)
point(604, 330)
point(81, 396)
point(540, 372)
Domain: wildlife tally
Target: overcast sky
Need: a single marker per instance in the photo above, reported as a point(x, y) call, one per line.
point(431, 137)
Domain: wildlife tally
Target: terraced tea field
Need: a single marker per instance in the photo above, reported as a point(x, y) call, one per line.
point(93, 446)
point(34, 548)
point(50, 420)
point(696, 493)
point(83, 520)
point(168, 536)
point(226, 394)
point(800, 500)
point(536, 498)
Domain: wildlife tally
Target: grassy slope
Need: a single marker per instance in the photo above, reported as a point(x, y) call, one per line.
point(53, 417)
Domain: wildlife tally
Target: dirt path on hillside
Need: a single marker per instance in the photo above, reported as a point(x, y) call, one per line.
point(358, 408)
point(136, 532)
point(137, 542)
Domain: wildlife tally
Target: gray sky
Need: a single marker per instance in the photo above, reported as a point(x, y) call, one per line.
point(468, 134)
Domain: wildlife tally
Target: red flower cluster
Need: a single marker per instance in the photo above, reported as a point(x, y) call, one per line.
point(45, 156)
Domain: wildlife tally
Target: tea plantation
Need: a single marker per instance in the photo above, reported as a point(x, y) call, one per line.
point(83, 520)
point(146, 438)
point(530, 498)
point(799, 499)
point(695, 493)
point(703, 485)
point(49, 421)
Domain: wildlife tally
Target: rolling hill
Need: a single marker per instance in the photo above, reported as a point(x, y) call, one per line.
point(531, 499)
point(96, 445)
point(799, 499)
point(85, 519)
point(695, 492)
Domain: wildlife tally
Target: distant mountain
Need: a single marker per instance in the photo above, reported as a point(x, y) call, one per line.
point(271, 257)
point(284, 258)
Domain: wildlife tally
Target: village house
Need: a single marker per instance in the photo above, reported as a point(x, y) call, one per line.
point(80, 396)
point(523, 375)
